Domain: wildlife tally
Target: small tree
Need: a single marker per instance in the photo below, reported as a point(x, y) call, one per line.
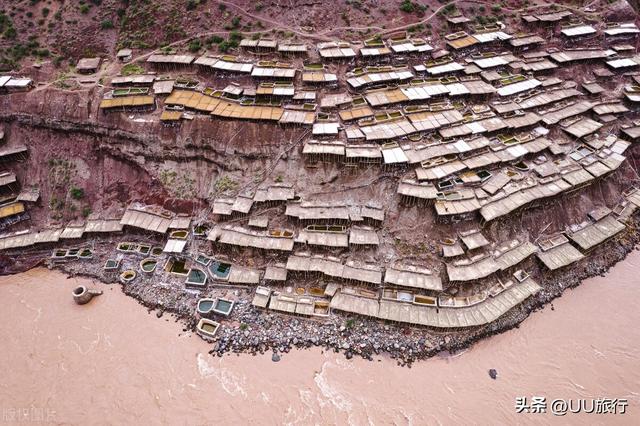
point(77, 193)
point(407, 7)
point(195, 45)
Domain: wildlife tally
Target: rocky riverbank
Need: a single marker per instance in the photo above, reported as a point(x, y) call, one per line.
point(251, 330)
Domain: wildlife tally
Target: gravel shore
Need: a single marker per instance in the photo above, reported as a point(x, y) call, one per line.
point(252, 330)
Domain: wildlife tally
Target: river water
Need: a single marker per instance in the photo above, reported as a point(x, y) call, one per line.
point(112, 362)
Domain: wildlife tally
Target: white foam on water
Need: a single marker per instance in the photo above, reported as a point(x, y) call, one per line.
point(578, 388)
point(331, 393)
point(331, 396)
point(408, 417)
point(107, 340)
point(447, 387)
point(598, 353)
point(289, 413)
point(92, 345)
point(345, 364)
point(308, 412)
point(633, 397)
point(230, 382)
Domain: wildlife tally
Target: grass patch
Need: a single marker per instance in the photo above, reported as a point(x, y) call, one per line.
point(225, 184)
point(131, 69)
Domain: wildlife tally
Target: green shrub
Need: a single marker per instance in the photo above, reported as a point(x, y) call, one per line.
point(407, 7)
point(235, 37)
point(448, 9)
point(7, 31)
point(77, 193)
point(224, 46)
point(195, 45)
point(5, 22)
point(225, 183)
point(106, 24)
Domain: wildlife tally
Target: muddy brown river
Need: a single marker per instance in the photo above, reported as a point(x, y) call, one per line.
point(112, 362)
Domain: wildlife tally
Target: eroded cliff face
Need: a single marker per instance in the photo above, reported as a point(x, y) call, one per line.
point(61, 162)
point(119, 158)
point(49, 103)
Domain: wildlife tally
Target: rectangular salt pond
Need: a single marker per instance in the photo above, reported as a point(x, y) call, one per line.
point(205, 306)
point(196, 278)
point(126, 247)
point(178, 267)
point(209, 328)
point(223, 307)
point(203, 260)
point(111, 264)
point(59, 254)
point(200, 231)
point(220, 270)
point(85, 254)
